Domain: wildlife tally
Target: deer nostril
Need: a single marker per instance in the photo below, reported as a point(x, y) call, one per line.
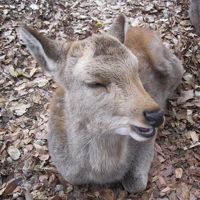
point(154, 118)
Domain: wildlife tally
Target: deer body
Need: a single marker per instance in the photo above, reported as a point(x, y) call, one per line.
point(194, 13)
point(103, 122)
point(90, 159)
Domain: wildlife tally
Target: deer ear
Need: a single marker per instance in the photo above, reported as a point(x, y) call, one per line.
point(47, 52)
point(119, 28)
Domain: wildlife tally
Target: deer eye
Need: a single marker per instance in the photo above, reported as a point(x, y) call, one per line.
point(96, 85)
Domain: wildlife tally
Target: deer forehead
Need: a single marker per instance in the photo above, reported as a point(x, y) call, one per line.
point(105, 57)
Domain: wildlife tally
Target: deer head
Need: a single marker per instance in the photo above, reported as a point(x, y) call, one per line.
point(103, 91)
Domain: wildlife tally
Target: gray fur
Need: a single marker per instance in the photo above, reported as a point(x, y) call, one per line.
point(89, 139)
point(194, 13)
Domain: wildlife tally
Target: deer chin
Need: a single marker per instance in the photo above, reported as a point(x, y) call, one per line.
point(139, 134)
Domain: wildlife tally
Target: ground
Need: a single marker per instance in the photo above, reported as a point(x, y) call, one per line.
point(26, 170)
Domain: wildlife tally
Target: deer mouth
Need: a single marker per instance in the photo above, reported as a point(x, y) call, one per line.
point(136, 132)
point(144, 132)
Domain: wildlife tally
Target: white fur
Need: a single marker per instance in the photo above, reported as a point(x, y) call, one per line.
point(138, 137)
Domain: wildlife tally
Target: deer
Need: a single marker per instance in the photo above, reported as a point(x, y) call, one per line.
point(194, 14)
point(110, 101)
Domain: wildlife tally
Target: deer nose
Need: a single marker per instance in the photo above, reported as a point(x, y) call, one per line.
point(154, 118)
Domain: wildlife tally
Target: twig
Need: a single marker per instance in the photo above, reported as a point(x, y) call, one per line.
point(192, 146)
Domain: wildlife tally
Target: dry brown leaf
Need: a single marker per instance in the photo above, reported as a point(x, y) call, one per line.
point(13, 72)
point(185, 95)
point(44, 157)
point(164, 191)
point(178, 172)
point(10, 186)
point(161, 180)
point(56, 198)
point(19, 108)
point(108, 194)
point(161, 158)
point(14, 153)
point(194, 136)
point(183, 191)
point(195, 171)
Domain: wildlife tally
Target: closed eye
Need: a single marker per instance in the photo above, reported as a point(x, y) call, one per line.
point(96, 85)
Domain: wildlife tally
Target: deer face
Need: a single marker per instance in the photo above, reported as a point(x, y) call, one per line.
point(103, 91)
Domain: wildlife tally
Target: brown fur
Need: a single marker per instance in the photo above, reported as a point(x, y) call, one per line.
point(156, 63)
point(145, 44)
point(57, 113)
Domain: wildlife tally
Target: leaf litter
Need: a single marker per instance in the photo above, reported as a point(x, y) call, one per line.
point(26, 170)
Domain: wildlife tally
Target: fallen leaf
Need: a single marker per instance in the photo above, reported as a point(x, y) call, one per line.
point(14, 153)
point(32, 72)
point(69, 188)
point(21, 87)
point(44, 157)
point(149, 7)
point(195, 171)
point(197, 93)
point(41, 82)
point(13, 72)
point(34, 6)
point(185, 23)
point(185, 95)
point(164, 191)
point(108, 194)
point(59, 187)
point(188, 77)
point(20, 108)
point(178, 172)
point(99, 24)
point(194, 136)
point(183, 191)
point(12, 136)
point(2, 131)
point(56, 198)
point(10, 186)
point(161, 158)
point(2, 191)
point(161, 180)
point(5, 11)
